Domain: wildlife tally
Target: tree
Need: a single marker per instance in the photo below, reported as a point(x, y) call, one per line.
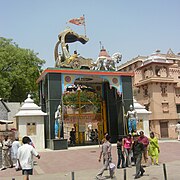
point(85, 97)
point(19, 70)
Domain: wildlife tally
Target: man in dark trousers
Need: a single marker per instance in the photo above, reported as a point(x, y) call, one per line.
point(138, 148)
point(72, 137)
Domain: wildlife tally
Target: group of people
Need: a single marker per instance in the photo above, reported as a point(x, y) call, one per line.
point(137, 149)
point(130, 149)
point(93, 136)
point(19, 156)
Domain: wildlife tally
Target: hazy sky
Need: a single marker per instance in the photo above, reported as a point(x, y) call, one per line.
point(132, 27)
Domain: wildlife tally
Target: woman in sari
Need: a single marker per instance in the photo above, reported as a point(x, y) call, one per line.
point(153, 150)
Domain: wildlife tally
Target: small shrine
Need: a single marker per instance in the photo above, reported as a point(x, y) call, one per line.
point(143, 118)
point(30, 122)
point(79, 93)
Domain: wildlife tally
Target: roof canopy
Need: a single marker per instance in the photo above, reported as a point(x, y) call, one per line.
point(5, 122)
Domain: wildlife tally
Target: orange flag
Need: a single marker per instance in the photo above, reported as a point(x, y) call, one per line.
point(78, 21)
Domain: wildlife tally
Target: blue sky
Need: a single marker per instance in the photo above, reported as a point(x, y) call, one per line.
point(132, 27)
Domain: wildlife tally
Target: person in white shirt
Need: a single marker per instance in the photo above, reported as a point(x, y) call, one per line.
point(14, 149)
point(6, 153)
point(177, 129)
point(25, 157)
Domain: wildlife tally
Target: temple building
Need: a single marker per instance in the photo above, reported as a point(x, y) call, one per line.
point(156, 85)
point(80, 94)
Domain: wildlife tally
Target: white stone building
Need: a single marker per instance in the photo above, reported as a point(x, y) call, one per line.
point(30, 122)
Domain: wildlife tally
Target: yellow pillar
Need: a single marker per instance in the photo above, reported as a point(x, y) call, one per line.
point(104, 117)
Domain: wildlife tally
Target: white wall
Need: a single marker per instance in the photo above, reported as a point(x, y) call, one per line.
point(38, 139)
point(145, 119)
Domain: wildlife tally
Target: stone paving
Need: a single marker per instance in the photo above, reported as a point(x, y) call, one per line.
point(83, 161)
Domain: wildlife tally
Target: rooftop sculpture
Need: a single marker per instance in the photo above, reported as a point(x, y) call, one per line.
point(65, 60)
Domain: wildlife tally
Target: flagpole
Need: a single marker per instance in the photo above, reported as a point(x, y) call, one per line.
point(84, 25)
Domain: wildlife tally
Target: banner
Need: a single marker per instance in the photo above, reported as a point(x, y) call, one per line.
point(78, 21)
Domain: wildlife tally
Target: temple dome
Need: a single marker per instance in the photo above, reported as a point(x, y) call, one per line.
point(29, 108)
point(103, 53)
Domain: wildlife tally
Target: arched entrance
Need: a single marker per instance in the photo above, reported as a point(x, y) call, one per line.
point(112, 88)
point(109, 115)
point(83, 111)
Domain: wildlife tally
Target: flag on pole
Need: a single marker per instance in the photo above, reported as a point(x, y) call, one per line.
point(78, 21)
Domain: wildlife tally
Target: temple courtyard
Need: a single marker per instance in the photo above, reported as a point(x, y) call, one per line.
point(83, 161)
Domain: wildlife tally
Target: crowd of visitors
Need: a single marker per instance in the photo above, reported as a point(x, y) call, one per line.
point(19, 156)
point(131, 150)
point(136, 148)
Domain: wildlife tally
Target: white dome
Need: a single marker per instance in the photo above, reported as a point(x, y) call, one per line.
point(139, 108)
point(29, 108)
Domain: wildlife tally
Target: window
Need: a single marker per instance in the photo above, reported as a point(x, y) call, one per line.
point(163, 87)
point(157, 71)
point(31, 129)
point(145, 89)
point(178, 108)
point(165, 107)
point(177, 91)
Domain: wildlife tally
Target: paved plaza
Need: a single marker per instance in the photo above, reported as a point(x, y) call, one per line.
point(83, 161)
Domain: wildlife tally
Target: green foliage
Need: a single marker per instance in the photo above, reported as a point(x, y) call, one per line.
point(19, 70)
point(84, 97)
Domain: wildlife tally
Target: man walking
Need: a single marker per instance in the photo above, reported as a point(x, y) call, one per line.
point(25, 157)
point(138, 148)
point(15, 145)
point(177, 129)
point(73, 136)
point(6, 153)
point(107, 158)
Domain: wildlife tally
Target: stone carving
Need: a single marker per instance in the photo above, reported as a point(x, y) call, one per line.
point(132, 119)
point(64, 58)
point(58, 122)
point(108, 63)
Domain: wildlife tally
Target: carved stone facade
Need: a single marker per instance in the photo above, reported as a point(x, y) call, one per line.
point(156, 85)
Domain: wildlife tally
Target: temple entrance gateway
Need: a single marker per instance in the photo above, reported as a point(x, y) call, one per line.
point(93, 95)
point(84, 110)
point(110, 96)
point(86, 120)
